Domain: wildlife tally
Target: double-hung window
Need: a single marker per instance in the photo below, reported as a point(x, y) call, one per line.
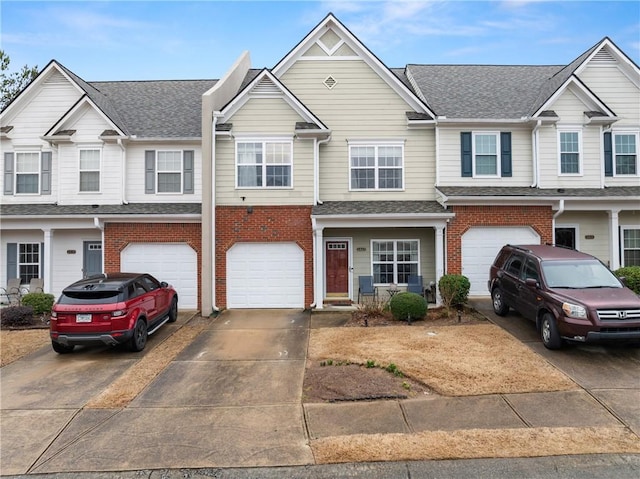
point(625, 153)
point(264, 164)
point(376, 166)
point(394, 260)
point(28, 261)
point(485, 154)
point(630, 246)
point(89, 170)
point(169, 171)
point(569, 147)
point(27, 171)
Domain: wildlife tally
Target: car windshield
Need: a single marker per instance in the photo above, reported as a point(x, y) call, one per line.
point(93, 297)
point(578, 274)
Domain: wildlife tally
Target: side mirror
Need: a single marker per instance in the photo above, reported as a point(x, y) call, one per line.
point(533, 283)
point(164, 284)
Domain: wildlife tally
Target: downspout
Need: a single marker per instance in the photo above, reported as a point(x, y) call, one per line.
point(316, 168)
point(100, 226)
point(124, 172)
point(437, 132)
point(214, 120)
point(555, 215)
point(534, 152)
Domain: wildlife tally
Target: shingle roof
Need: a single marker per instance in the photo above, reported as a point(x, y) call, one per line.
point(477, 191)
point(97, 210)
point(377, 208)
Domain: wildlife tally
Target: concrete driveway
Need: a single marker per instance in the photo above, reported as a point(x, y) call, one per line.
point(231, 398)
point(609, 373)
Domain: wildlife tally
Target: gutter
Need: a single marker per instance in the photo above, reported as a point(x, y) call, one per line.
point(534, 154)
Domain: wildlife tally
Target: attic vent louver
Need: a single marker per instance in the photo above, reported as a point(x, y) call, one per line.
point(265, 86)
point(329, 82)
point(603, 56)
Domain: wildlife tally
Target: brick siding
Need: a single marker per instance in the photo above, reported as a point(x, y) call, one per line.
point(540, 218)
point(264, 224)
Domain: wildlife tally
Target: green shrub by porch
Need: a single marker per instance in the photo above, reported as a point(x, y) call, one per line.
point(631, 276)
point(408, 306)
point(454, 289)
point(40, 302)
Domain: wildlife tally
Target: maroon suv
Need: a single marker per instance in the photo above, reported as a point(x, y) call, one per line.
point(570, 295)
point(114, 308)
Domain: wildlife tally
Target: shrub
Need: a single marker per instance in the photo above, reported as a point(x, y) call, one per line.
point(631, 277)
point(40, 302)
point(408, 306)
point(454, 289)
point(16, 316)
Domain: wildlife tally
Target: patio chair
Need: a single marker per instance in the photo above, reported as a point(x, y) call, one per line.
point(366, 287)
point(414, 285)
point(36, 285)
point(11, 294)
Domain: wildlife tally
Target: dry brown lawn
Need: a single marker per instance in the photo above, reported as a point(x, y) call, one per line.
point(451, 360)
point(15, 344)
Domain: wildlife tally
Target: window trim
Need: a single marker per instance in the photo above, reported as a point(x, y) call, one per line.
point(622, 248)
point(614, 154)
point(569, 129)
point(264, 141)
point(80, 170)
point(180, 171)
point(474, 164)
point(376, 144)
point(395, 258)
point(19, 263)
point(38, 172)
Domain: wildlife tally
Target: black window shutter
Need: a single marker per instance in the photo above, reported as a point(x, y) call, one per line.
point(466, 152)
point(187, 166)
point(12, 260)
point(45, 173)
point(608, 155)
point(41, 275)
point(150, 172)
point(8, 174)
point(505, 154)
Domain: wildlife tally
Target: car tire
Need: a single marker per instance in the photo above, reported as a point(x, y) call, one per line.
point(549, 332)
point(139, 339)
point(173, 310)
point(497, 299)
point(61, 348)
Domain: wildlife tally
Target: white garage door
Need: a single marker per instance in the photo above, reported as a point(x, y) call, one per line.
point(175, 263)
point(480, 246)
point(265, 275)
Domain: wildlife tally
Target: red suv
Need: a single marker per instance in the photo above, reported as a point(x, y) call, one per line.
point(570, 295)
point(112, 309)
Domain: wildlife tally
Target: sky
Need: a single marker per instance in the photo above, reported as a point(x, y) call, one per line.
point(171, 40)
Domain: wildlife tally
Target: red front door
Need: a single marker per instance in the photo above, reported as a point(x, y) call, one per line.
point(337, 260)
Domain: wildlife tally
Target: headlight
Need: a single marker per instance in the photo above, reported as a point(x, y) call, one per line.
point(574, 311)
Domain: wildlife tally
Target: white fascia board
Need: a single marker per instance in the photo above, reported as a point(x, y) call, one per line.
point(600, 203)
point(87, 221)
point(484, 121)
point(68, 116)
point(382, 221)
point(165, 139)
point(363, 53)
point(33, 87)
point(581, 91)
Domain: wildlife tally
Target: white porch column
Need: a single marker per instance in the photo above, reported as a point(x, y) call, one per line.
point(48, 260)
point(318, 266)
point(439, 258)
point(614, 240)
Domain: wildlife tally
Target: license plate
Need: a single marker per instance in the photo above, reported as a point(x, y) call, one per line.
point(83, 318)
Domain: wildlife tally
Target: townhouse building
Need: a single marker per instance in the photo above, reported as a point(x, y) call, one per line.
point(278, 187)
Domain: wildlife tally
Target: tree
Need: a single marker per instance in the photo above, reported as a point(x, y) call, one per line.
point(13, 83)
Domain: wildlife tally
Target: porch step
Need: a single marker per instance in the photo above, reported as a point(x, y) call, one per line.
point(337, 302)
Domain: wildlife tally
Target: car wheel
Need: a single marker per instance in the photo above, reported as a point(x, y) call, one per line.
point(173, 310)
point(499, 306)
point(549, 332)
point(139, 339)
point(61, 348)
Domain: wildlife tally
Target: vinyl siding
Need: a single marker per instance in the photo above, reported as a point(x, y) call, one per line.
point(68, 267)
point(361, 106)
point(262, 118)
point(522, 162)
point(589, 224)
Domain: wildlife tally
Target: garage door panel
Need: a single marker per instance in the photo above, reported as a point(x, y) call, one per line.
point(175, 263)
point(265, 275)
point(480, 245)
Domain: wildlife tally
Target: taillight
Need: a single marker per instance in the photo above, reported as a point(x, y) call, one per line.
point(119, 313)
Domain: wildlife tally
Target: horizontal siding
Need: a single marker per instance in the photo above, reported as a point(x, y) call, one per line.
point(590, 224)
point(616, 91)
point(450, 160)
point(68, 267)
point(263, 117)
point(361, 106)
point(569, 108)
